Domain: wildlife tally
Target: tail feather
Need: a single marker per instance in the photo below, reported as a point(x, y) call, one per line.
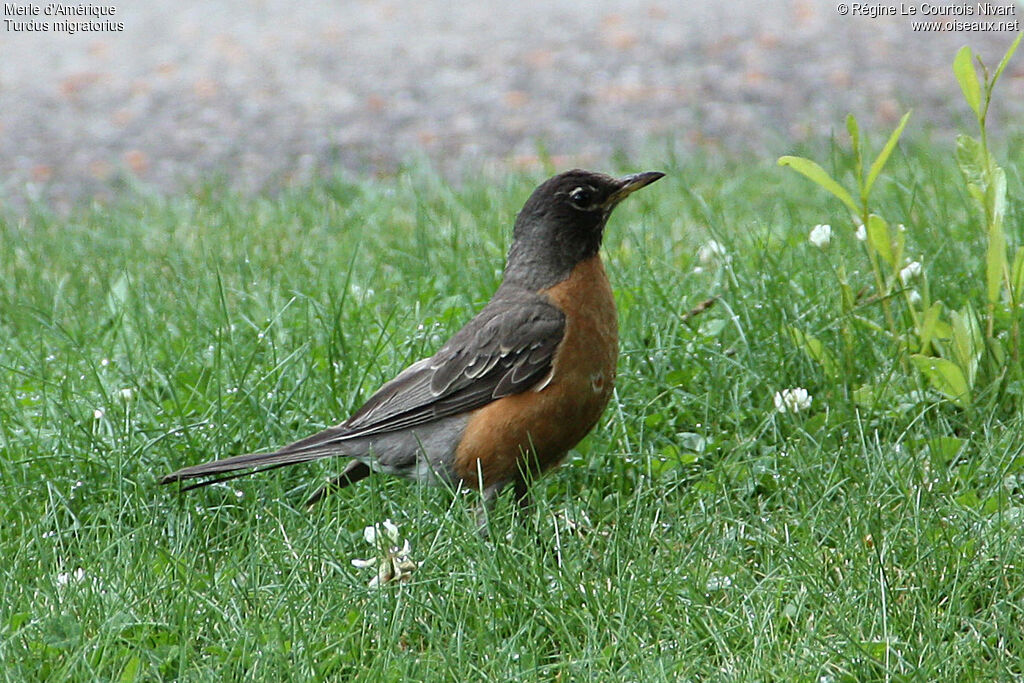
point(229, 477)
point(238, 462)
point(311, 448)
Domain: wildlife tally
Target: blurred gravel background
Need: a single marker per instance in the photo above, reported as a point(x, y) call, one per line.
point(264, 92)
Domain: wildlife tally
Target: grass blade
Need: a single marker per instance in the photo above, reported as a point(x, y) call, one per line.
point(883, 156)
point(1006, 57)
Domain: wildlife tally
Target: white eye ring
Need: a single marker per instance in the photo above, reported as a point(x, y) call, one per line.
point(580, 196)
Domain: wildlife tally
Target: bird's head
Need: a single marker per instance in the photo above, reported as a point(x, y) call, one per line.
point(562, 224)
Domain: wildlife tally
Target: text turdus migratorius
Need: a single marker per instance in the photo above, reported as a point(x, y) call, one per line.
point(512, 391)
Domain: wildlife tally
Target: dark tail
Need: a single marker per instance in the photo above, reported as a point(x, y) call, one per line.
point(326, 444)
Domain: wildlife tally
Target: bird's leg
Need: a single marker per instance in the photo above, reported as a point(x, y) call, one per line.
point(489, 499)
point(354, 471)
point(521, 491)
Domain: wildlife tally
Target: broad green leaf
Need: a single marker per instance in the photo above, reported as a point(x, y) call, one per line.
point(967, 341)
point(996, 356)
point(820, 176)
point(883, 156)
point(17, 620)
point(945, 448)
point(692, 441)
point(992, 505)
point(713, 327)
point(967, 77)
point(1017, 277)
point(678, 378)
point(977, 194)
point(815, 350)
point(970, 157)
point(928, 324)
point(968, 499)
point(815, 423)
point(997, 194)
point(995, 261)
point(654, 420)
point(973, 327)
point(945, 377)
point(879, 239)
point(865, 396)
point(879, 649)
point(1006, 58)
point(943, 330)
point(130, 672)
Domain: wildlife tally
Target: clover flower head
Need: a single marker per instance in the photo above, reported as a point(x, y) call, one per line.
point(67, 578)
point(392, 560)
point(712, 252)
point(911, 271)
point(862, 233)
point(717, 582)
point(390, 532)
point(821, 236)
point(792, 400)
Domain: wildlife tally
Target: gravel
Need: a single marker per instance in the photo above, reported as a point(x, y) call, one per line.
point(270, 92)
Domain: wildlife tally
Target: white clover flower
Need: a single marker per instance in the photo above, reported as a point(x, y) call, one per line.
point(392, 562)
point(910, 272)
point(98, 414)
point(862, 233)
point(372, 533)
point(126, 394)
point(792, 400)
point(821, 236)
point(914, 297)
point(712, 252)
point(718, 583)
point(65, 578)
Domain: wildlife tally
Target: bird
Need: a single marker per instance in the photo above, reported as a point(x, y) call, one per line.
point(508, 395)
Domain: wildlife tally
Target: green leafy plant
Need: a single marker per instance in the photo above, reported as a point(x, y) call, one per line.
point(883, 244)
point(884, 247)
point(986, 183)
point(951, 353)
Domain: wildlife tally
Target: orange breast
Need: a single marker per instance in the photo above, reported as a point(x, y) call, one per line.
point(535, 429)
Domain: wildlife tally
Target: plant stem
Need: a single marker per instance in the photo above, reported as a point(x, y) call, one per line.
point(883, 291)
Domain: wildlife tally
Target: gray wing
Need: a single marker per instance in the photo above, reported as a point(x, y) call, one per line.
point(506, 349)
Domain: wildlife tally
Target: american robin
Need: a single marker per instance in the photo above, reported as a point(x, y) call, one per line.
point(511, 392)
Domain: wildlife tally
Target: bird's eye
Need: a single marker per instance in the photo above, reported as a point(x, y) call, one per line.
point(580, 197)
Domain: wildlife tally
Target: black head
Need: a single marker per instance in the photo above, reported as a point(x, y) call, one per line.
point(562, 223)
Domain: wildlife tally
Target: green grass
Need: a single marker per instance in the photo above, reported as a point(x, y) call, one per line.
point(697, 534)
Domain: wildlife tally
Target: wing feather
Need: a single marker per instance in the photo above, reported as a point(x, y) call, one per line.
point(508, 347)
